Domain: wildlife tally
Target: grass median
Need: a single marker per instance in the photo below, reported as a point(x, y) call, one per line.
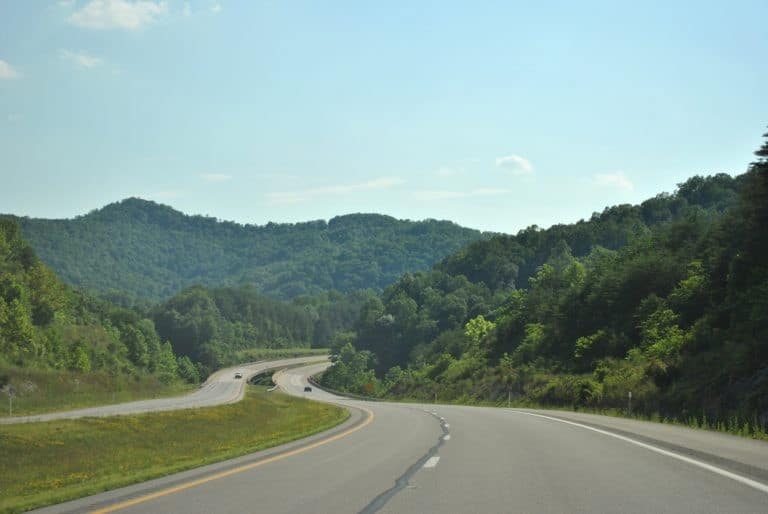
point(46, 463)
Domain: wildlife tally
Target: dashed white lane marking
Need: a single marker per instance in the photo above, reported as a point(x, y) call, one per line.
point(447, 437)
point(709, 467)
point(432, 462)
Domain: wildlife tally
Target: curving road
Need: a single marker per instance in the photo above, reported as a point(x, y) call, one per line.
point(407, 458)
point(221, 387)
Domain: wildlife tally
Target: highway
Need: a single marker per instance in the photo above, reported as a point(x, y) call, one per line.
point(221, 387)
point(409, 458)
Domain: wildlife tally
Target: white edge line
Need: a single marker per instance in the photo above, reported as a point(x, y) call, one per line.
point(709, 467)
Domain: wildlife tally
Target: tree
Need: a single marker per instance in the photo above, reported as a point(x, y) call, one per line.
point(167, 367)
point(477, 328)
point(18, 331)
point(351, 372)
point(187, 370)
point(79, 359)
point(136, 343)
point(663, 339)
point(530, 346)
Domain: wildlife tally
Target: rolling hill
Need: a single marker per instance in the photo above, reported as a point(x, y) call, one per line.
point(151, 251)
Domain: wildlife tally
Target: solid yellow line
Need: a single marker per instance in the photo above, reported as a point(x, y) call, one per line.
point(234, 471)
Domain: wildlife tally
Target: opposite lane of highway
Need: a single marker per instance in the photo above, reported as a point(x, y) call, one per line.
point(221, 387)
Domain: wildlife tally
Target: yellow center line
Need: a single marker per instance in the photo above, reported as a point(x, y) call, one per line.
point(234, 471)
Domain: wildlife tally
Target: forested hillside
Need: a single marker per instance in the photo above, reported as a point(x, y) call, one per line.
point(149, 251)
point(64, 336)
point(667, 300)
point(46, 325)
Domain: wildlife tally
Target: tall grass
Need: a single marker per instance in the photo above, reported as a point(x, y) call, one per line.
point(39, 391)
point(734, 425)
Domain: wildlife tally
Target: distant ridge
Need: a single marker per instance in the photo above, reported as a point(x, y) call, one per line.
point(151, 251)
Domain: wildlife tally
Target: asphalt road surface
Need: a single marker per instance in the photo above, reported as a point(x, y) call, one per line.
point(408, 458)
point(221, 387)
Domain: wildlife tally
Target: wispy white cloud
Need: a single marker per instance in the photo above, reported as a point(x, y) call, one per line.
point(118, 14)
point(66, 3)
point(186, 10)
point(7, 72)
point(216, 8)
point(515, 164)
point(80, 59)
point(617, 180)
point(215, 177)
point(449, 195)
point(293, 197)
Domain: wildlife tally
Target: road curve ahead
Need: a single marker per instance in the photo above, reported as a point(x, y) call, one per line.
point(407, 458)
point(221, 387)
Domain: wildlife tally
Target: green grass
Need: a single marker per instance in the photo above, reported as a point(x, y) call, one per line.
point(256, 354)
point(734, 425)
point(40, 391)
point(46, 463)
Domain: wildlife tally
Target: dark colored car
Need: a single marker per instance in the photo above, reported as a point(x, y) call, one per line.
point(307, 389)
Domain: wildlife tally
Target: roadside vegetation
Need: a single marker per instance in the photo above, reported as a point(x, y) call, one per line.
point(666, 301)
point(46, 463)
point(752, 429)
point(46, 390)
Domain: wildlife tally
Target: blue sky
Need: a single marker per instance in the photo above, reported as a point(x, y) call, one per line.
point(496, 115)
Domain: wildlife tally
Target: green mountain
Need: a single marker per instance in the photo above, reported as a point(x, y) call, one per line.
point(667, 300)
point(151, 251)
point(487, 277)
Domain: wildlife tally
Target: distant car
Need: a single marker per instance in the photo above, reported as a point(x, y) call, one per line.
point(238, 375)
point(307, 389)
